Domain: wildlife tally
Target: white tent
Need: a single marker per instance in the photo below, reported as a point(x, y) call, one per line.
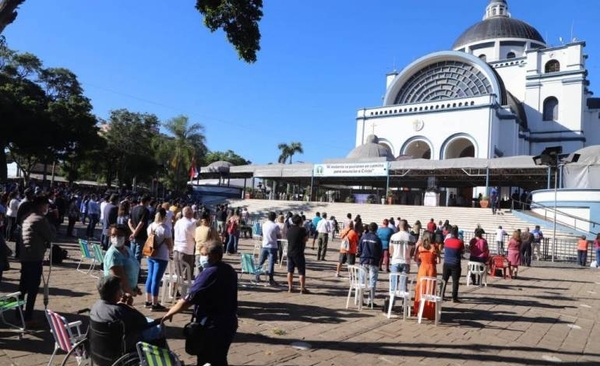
point(585, 174)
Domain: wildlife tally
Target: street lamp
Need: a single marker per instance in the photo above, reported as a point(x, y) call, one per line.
point(553, 158)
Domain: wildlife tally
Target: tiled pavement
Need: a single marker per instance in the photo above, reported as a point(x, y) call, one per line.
point(549, 315)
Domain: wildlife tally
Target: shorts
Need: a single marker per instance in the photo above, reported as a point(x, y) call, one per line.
point(297, 261)
point(347, 257)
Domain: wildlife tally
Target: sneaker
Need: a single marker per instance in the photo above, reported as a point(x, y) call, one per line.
point(304, 291)
point(456, 301)
point(158, 307)
point(273, 283)
point(147, 305)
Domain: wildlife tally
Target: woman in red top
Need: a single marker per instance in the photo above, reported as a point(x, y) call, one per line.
point(347, 255)
point(514, 253)
point(582, 248)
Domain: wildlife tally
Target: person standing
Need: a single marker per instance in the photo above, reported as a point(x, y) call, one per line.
point(494, 200)
point(315, 233)
point(514, 253)
point(500, 234)
point(157, 263)
point(370, 252)
point(347, 254)
point(582, 249)
point(73, 215)
point(271, 233)
point(109, 218)
point(597, 249)
point(431, 226)
point(215, 300)
point(36, 235)
point(297, 237)
point(453, 251)
point(536, 244)
point(202, 235)
point(25, 209)
point(94, 215)
point(138, 224)
point(385, 233)
point(428, 255)
point(324, 229)
point(119, 261)
point(185, 230)
point(526, 239)
point(11, 213)
point(402, 248)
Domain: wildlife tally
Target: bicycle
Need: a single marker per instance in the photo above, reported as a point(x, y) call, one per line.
point(81, 353)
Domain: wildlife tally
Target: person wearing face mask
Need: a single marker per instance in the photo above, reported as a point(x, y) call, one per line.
point(119, 261)
point(214, 297)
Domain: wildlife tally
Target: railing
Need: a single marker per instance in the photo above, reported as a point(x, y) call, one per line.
point(550, 210)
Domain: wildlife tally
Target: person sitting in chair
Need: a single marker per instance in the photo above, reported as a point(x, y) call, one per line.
point(114, 308)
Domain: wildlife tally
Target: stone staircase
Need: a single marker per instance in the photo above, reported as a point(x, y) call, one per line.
point(465, 217)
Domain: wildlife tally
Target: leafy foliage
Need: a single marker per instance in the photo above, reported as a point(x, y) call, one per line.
point(288, 151)
point(238, 19)
point(228, 155)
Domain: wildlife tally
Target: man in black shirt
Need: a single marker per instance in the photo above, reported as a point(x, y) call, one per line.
point(297, 237)
point(138, 224)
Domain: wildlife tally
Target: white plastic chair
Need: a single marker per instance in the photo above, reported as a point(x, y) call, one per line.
point(179, 279)
point(284, 250)
point(479, 271)
point(397, 292)
point(429, 291)
point(358, 283)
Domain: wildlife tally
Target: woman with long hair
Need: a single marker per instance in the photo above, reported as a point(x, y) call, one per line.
point(427, 254)
point(157, 263)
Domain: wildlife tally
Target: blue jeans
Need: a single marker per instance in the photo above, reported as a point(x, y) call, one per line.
point(399, 268)
point(597, 257)
point(136, 246)
point(94, 218)
point(373, 272)
point(271, 253)
point(156, 270)
point(232, 243)
point(582, 257)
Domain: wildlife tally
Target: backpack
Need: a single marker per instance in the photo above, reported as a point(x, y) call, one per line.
point(58, 254)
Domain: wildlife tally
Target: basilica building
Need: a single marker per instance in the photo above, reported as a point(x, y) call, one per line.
point(501, 91)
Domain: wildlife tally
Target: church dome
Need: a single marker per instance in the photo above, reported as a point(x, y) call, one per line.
point(498, 23)
point(371, 149)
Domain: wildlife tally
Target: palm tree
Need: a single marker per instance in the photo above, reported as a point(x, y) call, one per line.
point(186, 145)
point(288, 151)
point(285, 153)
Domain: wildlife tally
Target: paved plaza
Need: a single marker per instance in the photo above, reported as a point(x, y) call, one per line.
point(548, 315)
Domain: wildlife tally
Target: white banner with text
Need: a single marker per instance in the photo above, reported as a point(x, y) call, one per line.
point(351, 170)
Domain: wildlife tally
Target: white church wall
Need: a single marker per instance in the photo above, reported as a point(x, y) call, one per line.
point(513, 76)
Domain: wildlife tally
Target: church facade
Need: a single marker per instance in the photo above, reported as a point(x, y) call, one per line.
point(500, 91)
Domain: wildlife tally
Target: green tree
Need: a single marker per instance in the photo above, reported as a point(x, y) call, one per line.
point(129, 150)
point(228, 155)
point(182, 146)
point(288, 151)
point(237, 18)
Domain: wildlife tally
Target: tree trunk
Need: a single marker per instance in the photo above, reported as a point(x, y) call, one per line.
point(8, 12)
point(3, 167)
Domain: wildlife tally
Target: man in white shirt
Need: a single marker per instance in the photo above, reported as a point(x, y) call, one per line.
point(323, 229)
point(270, 234)
point(402, 248)
point(184, 243)
point(500, 234)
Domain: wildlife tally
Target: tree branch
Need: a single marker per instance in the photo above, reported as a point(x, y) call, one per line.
point(8, 12)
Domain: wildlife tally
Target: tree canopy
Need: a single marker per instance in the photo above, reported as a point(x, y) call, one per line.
point(288, 151)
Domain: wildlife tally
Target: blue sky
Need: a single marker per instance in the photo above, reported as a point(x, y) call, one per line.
point(320, 61)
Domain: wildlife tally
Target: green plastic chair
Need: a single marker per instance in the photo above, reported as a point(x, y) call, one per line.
point(86, 255)
point(249, 266)
point(10, 302)
point(98, 255)
point(155, 356)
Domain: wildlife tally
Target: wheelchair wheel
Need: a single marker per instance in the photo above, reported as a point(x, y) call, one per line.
point(129, 359)
point(79, 355)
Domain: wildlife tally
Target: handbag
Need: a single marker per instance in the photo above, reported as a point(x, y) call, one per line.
point(345, 244)
point(196, 336)
point(150, 247)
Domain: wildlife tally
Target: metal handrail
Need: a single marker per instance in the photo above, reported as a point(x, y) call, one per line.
point(554, 209)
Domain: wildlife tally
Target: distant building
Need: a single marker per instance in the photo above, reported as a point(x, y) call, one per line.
point(501, 91)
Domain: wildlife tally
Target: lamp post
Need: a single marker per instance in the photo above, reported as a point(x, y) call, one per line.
point(555, 159)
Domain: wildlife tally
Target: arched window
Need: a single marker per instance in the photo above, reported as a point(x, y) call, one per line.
point(483, 57)
point(510, 55)
point(552, 66)
point(551, 109)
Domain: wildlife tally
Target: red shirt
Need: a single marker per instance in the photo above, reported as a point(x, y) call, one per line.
point(431, 226)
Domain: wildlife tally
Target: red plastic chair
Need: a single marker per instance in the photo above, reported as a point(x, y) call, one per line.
point(500, 263)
